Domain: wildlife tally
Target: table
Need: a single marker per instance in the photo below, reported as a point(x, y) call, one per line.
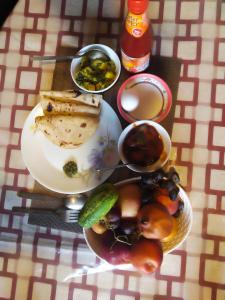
point(39, 263)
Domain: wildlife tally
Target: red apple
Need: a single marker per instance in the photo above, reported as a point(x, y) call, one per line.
point(118, 254)
point(154, 221)
point(147, 255)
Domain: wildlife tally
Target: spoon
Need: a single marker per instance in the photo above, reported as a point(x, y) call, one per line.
point(92, 54)
point(75, 202)
point(114, 167)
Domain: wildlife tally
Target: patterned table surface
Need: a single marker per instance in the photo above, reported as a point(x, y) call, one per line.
point(39, 263)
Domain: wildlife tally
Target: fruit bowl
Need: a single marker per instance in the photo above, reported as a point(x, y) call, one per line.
point(184, 222)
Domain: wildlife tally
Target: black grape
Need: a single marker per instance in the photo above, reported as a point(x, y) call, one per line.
point(174, 193)
point(128, 226)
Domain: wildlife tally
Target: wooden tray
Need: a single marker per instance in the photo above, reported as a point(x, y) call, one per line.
point(165, 67)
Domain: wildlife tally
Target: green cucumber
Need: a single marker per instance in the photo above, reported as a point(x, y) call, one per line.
point(98, 205)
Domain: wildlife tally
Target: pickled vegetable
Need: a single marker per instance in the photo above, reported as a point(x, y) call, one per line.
point(96, 74)
point(70, 168)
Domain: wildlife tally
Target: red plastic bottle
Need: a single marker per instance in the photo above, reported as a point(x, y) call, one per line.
point(136, 38)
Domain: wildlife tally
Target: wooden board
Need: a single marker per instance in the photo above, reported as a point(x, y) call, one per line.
point(165, 67)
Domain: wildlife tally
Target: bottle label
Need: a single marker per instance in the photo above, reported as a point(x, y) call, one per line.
point(135, 65)
point(136, 25)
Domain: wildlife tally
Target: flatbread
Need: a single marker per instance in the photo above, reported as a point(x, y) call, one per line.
point(88, 99)
point(51, 106)
point(67, 131)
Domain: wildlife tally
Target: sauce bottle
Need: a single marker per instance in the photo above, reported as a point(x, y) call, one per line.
point(136, 38)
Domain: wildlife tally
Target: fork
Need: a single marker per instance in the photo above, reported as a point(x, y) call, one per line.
point(66, 215)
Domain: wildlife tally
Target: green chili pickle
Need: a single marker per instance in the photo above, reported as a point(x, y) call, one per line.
point(70, 168)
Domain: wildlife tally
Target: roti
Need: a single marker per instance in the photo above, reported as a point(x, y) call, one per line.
point(88, 99)
point(51, 106)
point(67, 131)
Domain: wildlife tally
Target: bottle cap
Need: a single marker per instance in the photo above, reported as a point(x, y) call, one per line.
point(137, 6)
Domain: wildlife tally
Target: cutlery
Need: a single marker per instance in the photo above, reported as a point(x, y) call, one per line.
point(92, 54)
point(66, 215)
point(114, 167)
point(74, 202)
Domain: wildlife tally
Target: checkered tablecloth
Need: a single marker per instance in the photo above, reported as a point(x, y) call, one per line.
point(38, 263)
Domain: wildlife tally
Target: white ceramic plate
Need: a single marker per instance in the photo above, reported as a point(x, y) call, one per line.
point(45, 160)
point(184, 227)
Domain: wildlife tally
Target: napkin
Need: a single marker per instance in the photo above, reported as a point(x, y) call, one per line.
point(52, 221)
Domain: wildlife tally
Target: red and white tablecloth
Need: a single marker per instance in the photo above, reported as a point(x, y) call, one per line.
point(38, 263)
